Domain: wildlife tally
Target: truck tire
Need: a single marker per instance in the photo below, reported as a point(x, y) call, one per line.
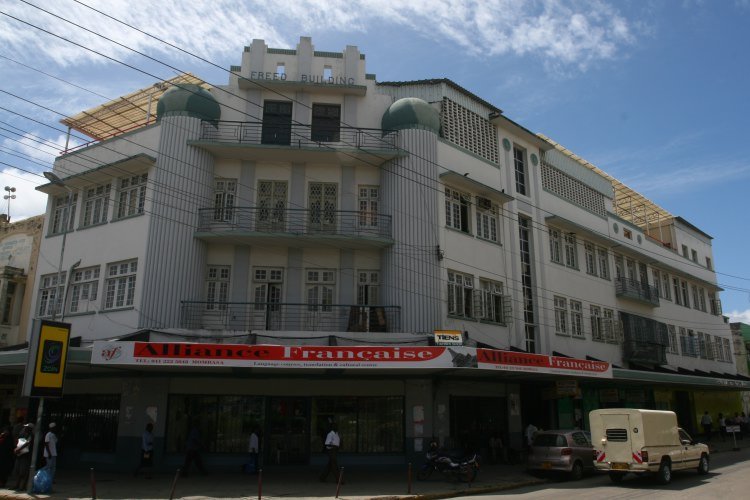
point(616, 477)
point(703, 465)
point(664, 476)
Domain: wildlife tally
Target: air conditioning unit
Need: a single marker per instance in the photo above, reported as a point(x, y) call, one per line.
point(484, 203)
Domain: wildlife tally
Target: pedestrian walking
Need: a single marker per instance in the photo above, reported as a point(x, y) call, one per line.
point(253, 448)
point(50, 450)
point(23, 456)
point(332, 444)
point(193, 449)
point(147, 451)
point(706, 423)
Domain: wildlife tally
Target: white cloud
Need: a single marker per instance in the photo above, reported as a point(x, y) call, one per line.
point(739, 316)
point(560, 33)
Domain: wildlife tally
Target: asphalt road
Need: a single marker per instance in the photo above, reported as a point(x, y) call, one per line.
point(729, 478)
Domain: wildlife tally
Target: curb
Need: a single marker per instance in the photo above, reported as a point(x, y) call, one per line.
point(465, 492)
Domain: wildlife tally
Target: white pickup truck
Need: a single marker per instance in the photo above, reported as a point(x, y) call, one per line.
point(643, 441)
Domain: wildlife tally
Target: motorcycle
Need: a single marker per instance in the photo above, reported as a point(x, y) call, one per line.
point(460, 469)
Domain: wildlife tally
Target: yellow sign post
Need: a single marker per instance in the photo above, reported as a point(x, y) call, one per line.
point(50, 360)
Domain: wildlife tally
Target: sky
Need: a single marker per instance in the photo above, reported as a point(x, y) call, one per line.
point(654, 92)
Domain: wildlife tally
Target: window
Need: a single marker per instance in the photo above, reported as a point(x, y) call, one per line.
point(368, 206)
point(460, 294)
point(84, 289)
point(50, 294)
point(665, 290)
point(323, 200)
point(702, 299)
point(672, 339)
point(119, 284)
point(576, 318)
point(677, 295)
point(492, 301)
point(696, 299)
point(685, 295)
point(555, 246)
point(590, 256)
point(702, 345)
point(708, 263)
point(608, 325)
point(714, 303)
point(326, 121)
point(224, 194)
point(132, 195)
point(519, 163)
point(694, 255)
point(277, 123)
point(571, 254)
point(217, 287)
point(457, 210)
point(627, 233)
point(597, 331)
point(63, 214)
point(619, 266)
point(685, 251)
point(630, 269)
point(320, 288)
point(603, 263)
point(280, 69)
point(271, 205)
point(486, 219)
point(656, 276)
point(727, 351)
point(95, 205)
point(561, 316)
point(368, 288)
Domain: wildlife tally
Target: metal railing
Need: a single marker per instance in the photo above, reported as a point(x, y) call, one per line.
point(295, 221)
point(279, 316)
point(298, 136)
point(633, 289)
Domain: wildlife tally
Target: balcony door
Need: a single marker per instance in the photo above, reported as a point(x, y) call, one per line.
point(271, 215)
point(277, 122)
point(323, 200)
point(266, 311)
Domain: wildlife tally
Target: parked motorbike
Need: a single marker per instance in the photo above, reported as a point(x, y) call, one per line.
point(454, 468)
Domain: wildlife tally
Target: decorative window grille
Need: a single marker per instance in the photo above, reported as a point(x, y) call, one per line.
point(573, 190)
point(469, 130)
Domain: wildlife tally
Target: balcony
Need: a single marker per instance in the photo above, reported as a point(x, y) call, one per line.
point(277, 316)
point(274, 141)
point(645, 340)
point(302, 227)
point(632, 289)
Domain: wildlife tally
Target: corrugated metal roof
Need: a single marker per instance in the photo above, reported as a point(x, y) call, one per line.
point(126, 113)
point(628, 203)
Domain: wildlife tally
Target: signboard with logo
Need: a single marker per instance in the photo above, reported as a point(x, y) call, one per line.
point(448, 337)
point(175, 354)
point(50, 360)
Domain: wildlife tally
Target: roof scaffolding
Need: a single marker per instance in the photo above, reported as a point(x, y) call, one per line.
point(128, 112)
point(628, 204)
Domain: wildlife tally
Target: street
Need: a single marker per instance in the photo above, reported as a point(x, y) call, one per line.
point(728, 479)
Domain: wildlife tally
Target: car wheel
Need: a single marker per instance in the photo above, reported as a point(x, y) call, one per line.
point(703, 465)
point(576, 472)
point(616, 477)
point(665, 472)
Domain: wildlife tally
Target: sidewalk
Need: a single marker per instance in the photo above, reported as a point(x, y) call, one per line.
point(361, 482)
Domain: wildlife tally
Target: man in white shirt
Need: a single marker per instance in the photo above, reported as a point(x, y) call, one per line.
point(253, 448)
point(332, 444)
point(531, 431)
point(50, 450)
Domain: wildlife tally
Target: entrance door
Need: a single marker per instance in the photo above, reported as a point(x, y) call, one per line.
point(474, 420)
point(288, 431)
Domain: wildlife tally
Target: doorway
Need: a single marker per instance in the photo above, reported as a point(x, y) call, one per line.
point(288, 441)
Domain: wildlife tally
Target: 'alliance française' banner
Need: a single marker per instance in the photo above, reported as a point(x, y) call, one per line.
point(176, 354)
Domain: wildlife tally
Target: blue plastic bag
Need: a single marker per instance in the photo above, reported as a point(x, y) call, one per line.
point(42, 481)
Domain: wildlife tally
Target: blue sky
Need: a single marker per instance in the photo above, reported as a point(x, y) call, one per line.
point(654, 92)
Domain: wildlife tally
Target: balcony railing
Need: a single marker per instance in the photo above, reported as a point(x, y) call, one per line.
point(247, 316)
point(633, 289)
point(298, 136)
point(295, 221)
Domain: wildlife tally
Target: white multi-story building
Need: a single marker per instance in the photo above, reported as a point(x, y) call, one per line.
point(306, 204)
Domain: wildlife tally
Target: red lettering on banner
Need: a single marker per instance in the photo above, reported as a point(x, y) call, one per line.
point(397, 354)
point(509, 358)
point(199, 351)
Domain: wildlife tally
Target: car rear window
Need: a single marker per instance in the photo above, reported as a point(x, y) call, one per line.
point(617, 435)
point(550, 440)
